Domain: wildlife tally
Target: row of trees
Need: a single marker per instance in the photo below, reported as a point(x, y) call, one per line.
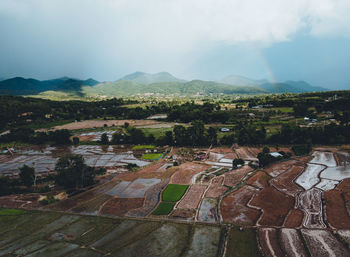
point(243, 134)
point(195, 135)
point(27, 135)
point(289, 135)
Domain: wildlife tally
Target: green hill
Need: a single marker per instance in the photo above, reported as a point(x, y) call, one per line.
point(128, 88)
point(22, 86)
point(145, 84)
point(291, 87)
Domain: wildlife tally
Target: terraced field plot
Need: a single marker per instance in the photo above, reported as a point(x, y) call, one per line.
point(44, 159)
point(173, 192)
point(290, 206)
point(53, 234)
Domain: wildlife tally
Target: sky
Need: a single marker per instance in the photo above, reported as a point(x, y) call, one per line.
point(276, 40)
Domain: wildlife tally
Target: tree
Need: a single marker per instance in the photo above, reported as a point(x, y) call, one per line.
point(236, 162)
point(302, 149)
point(6, 185)
point(73, 172)
point(104, 139)
point(151, 139)
point(266, 150)
point(119, 138)
point(212, 136)
point(60, 137)
point(27, 175)
point(180, 135)
point(169, 138)
point(197, 133)
point(300, 109)
point(76, 140)
point(137, 136)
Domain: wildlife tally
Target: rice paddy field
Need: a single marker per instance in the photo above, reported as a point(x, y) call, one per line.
point(296, 207)
point(36, 233)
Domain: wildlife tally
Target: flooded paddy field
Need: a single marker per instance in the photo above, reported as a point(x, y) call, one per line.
point(44, 159)
point(44, 233)
point(57, 234)
point(286, 208)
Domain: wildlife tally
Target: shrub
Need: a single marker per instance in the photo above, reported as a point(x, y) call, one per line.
point(76, 140)
point(48, 200)
point(301, 149)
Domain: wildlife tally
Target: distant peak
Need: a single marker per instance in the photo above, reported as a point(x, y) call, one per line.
point(148, 78)
point(163, 73)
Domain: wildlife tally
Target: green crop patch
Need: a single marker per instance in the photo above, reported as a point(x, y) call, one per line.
point(164, 208)
point(152, 156)
point(4, 212)
point(174, 192)
point(140, 147)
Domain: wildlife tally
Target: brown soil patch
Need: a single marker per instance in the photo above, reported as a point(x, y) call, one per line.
point(192, 198)
point(183, 214)
point(259, 180)
point(92, 206)
point(78, 199)
point(278, 168)
point(29, 201)
point(185, 172)
point(100, 123)
point(151, 200)
point(234, 210)
point(215, 191)
point(247, 152)
point(120, 206)
point(217, 180)
point(231, 156)
point(275, 206)
point(233, 177)
point(86, 138)
point(337, 214)
point(269, 242)
point(222, 150)
point(150, 171)
point(344, 187)
point(342, 158)
point(301, 161)
point(294, 219)
point(284, 182)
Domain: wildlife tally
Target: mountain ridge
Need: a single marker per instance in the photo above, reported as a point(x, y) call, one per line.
point(144, 83)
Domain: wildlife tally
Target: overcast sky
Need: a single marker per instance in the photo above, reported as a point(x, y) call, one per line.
point(192, 39)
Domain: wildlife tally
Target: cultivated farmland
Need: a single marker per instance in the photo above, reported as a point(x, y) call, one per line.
point(288, 208)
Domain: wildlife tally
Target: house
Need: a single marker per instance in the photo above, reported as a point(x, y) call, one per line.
point(252, 115)
point(276, 154)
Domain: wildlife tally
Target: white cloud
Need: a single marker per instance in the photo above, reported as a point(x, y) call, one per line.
point(160, 33)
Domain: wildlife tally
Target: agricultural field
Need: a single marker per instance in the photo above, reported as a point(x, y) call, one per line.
point(88, 124)
point(288, 208)
point(55, 234)
point(43, 159)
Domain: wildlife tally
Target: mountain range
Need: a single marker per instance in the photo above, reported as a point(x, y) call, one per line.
point(140, 83)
